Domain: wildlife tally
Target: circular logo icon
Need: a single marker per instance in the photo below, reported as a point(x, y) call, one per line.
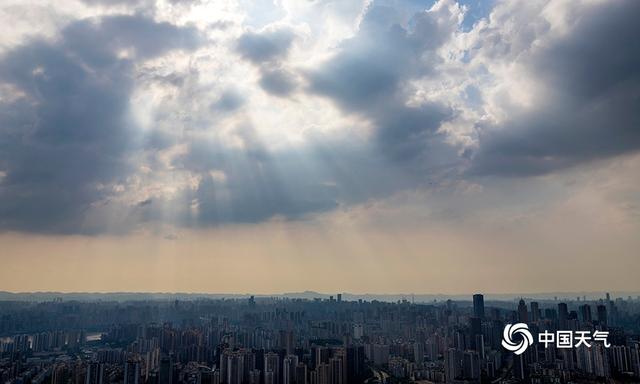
point(511, 330)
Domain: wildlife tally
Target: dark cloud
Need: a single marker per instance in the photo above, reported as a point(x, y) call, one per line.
point(368, 74)
point(66, 139)
point(265, 46)
point(98, 41)
point(145, 202)
point(278, 82)
point(266, 50)
point(591, 105)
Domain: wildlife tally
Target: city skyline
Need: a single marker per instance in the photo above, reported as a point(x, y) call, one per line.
point(334, 340)
point(282, 145)
point(310, 295)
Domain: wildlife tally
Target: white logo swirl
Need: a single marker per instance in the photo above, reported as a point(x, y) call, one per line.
point(513, 329)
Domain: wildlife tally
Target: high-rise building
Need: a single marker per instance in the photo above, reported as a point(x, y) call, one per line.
point(585, 313)
point(452, 365)
point(287, 340)
point(535, 311)
point(272, 365)
point(479, 344)
point(519, 367)
point(313, 377)
point(475, 325)
point(418, 352)
point(355, 363)
point(319, 355)
point(289, 364)
point(131, 372)
point(523, 315)
point(235, 368)
point(254, 376)
point(470, 365)
point(475, 330)
point(336, 371)
point(323, 375)
point(301, 373)
point(358, 331)
point(550, 314)
point(563, 316)
point(57, 374)
point(205, 375)
point(478, 306)
point(602, 314)
point(166, 371)
point(269, 377)
point(95, 373)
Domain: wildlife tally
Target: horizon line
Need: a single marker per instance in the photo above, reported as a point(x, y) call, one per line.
point(523, 294)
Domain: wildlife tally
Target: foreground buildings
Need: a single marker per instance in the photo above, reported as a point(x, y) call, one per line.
point(295, 341)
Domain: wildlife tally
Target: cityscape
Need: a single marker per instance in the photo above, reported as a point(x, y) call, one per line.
point(324, 340)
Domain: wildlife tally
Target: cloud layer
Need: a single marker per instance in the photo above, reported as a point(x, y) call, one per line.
point(125, 116)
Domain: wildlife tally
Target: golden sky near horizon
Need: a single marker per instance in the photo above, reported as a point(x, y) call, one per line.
point(381, 247)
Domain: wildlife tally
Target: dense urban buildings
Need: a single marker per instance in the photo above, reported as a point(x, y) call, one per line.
point(268, 340)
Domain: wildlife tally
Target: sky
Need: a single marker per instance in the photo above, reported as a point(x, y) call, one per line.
point(390, 146)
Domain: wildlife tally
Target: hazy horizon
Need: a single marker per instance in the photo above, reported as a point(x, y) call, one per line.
point(590, 295)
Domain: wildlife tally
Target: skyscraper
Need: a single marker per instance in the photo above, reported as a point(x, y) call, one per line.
point(475, 329)
point(289, 364)
point(301, 374)
point(272, 365)
point(452, 365)
point(336, 368)
point(602, 314)
point(523, 315)
point(470, 365)
point(131, 372)
point(166, 371)
point(254, 376)
point(269, 377)
point(235, 368)
point(355, 363)
point(95, 373)
point(478, 306)
point(418, 352)
point(535, 311)
point(563, 315)
point(585, 313)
